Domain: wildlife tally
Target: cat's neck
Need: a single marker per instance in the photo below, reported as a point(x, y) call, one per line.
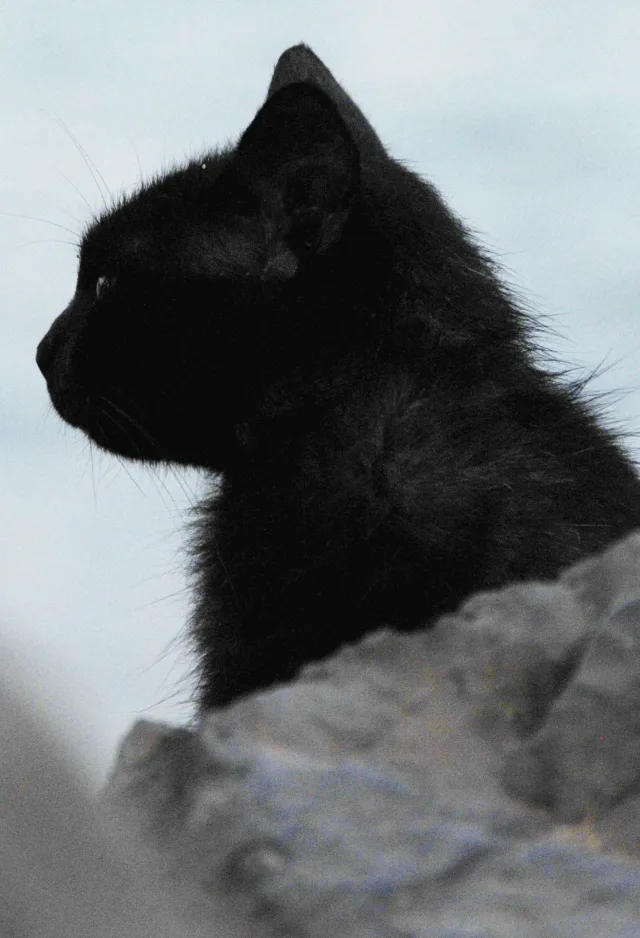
point(319, 428)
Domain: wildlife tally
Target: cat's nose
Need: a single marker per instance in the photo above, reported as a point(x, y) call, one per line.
point(53, 344)
point(45, 354)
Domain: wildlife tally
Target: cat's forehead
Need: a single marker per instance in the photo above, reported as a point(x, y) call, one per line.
point(176, 195)
point(184, 184)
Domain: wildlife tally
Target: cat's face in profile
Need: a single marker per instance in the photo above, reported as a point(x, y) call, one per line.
point(193, 295)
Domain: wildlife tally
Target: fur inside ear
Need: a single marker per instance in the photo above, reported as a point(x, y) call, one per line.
point(299, 158)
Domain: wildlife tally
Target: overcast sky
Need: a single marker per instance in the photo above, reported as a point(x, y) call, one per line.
point(526, 115)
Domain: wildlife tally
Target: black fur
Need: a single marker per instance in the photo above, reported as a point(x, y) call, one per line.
point(303, 315)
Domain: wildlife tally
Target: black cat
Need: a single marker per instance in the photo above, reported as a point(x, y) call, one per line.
point(303, 315)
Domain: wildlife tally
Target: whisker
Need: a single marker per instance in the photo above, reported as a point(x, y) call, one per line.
point(73, 186)
point(134, 423)
point(26, 244)
point(187, 492)
point(133, 146)
point(161, 487)
point(132, 477)
point(91, 166)
point(121, 462)
point(191, 497)
point(123, 429)
point(45, 221)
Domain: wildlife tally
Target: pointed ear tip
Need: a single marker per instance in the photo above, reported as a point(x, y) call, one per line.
point(301, 52)
point(299, 63)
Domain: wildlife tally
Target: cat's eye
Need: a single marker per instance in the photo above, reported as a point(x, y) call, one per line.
point(102, 284)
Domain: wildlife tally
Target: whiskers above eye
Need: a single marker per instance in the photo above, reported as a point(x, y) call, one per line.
point(95, 173)
point(46, 221)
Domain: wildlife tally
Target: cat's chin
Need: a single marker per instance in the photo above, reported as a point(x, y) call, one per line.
point(75, 409)
point(116, 431)
point(106, 425)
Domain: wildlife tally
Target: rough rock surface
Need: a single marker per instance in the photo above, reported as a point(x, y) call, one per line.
point(480, 779)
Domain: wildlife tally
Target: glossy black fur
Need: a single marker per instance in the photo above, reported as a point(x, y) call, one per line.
point(304, 316)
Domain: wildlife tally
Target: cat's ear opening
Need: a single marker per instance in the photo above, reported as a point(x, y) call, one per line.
point(300, 160)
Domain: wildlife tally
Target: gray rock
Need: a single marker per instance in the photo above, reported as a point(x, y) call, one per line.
point(420, 785)
point(586, 757)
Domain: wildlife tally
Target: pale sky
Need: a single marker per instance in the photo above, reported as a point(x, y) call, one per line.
point(526, 116)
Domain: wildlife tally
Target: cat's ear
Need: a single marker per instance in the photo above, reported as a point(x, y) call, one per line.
point(300, 63)
point(300, 160)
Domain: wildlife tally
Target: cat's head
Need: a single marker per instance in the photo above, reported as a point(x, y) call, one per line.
point(219, 282)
